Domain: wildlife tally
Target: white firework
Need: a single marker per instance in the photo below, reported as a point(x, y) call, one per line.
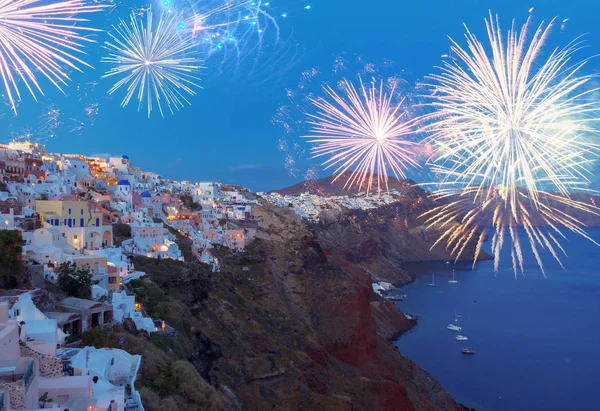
point(155, 63)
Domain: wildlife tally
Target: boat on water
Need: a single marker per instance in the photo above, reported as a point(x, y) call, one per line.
point(453, 327)
point(468, 351)
point(460, 338)
point(432, 284)
point(453, 281)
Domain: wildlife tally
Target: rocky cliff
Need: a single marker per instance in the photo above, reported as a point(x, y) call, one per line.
point(292, 322)
point(299, 327)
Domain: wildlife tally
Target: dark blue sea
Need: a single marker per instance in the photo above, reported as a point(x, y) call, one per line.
point(536, 339)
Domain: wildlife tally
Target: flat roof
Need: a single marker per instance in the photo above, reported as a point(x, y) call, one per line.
point(62, 318)
point(79, 381)
point(81, 304)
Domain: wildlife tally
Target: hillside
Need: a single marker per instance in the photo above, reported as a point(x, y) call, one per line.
point(290, 323)
point(328, 187)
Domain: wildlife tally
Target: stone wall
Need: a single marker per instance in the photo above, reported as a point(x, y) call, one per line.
point(49, 366)
point(15, 391)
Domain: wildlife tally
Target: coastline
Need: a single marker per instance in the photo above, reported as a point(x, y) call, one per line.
point(405, 324)
point(414, 269)
point(537, 371)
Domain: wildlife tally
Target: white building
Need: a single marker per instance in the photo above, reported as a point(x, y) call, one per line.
point(116, 370)
point(119, 163)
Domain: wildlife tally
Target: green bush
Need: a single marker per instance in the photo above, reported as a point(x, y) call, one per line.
point(99, 338)
point(76, 282)
point(12, 271)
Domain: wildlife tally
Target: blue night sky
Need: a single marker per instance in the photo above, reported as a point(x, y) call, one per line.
point(226, 134)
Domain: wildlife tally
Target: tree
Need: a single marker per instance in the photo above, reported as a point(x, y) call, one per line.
point(76, 282)
point(12, 270)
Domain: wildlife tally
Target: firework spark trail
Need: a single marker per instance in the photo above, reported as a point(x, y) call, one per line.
point(362, 133)
point(37, 36)
point(512, 142)
point(236, 25)
point(153, 62)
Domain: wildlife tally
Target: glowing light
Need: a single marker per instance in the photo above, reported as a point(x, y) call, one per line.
point(153, 63)
point(363, 133)
point(512, 143)
point(41, 38)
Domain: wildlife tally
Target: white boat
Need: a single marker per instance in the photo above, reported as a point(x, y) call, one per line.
point(461, 338)
point(453, 327)
point(432, 281)
point(453, 281)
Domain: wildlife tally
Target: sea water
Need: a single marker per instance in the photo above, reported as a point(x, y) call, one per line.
point(536, 339)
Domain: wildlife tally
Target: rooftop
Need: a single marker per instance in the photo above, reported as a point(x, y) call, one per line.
point(79, 303)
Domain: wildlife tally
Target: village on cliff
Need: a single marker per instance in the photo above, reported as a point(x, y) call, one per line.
point(66, 209)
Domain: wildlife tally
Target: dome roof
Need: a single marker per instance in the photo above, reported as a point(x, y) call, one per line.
point(157, 195)
point(123, 183)
point(146, 194)
point(125, 157)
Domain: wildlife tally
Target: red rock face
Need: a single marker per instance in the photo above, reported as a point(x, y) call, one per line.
point(391, 397)
point(352, 328)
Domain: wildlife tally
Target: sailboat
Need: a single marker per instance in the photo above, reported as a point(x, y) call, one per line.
point(453, 281)
point(432, 281)
point(454, 327)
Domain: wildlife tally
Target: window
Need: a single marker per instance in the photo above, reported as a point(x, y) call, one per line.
point(69, 211)
point(112, 280)
point(81, 211)
point(75, 237)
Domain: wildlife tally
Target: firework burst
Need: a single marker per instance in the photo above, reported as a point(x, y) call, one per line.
point(363, 134)
point(153, 62)
point(511, 141)
point(40, 38)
